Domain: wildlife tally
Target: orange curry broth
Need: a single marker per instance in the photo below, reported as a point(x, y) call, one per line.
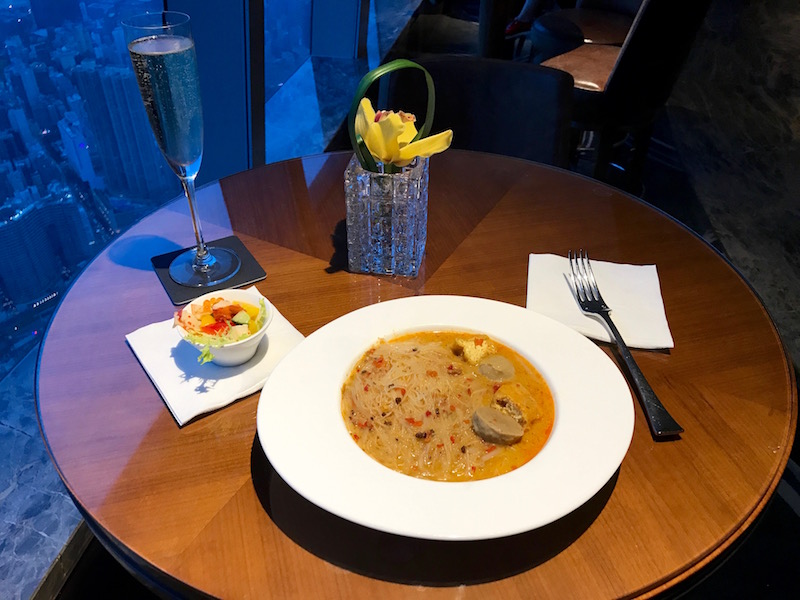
point(417, 419)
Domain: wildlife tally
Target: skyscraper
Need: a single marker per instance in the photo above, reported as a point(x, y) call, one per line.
point(37, 243)
point(77, 149)
point(131, 162)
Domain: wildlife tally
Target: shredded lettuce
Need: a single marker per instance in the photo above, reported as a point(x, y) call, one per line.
point(205, 355)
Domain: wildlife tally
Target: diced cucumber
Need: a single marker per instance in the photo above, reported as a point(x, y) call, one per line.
point(242, 318)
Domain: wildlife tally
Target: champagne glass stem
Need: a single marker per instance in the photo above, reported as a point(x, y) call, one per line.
point(202, 256)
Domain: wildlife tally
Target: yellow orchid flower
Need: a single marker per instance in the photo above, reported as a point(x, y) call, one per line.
point(388, 135)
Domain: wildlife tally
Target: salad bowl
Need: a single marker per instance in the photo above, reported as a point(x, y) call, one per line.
point(226, 326)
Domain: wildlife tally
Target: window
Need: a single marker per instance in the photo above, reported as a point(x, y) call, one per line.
point(78, 162)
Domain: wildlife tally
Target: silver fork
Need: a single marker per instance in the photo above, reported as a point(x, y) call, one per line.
point(588, 295)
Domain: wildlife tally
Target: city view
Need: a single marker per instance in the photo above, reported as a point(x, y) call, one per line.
point(78, 162)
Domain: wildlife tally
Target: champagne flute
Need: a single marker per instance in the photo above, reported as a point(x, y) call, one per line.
point(162, 51)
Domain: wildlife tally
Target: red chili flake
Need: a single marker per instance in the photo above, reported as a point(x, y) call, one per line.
point(490, 448)
point(366, 388)
point(355, 436)
point(363, 425)
point(472, 468)
point(452, 408)
point(378, 362)
point(453, 370)
point(427, 413)
point(452, 439)
point(402, 391)
point(495, 387)
point(469, 391)
point(431, 373)
point(413, 421)
point(440, 445)
point(468, 379)
point(479, 341)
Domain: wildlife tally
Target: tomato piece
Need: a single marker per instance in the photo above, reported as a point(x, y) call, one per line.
point(216, 328)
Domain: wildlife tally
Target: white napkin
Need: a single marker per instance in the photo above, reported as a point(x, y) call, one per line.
point(632, 292)
point(190, 389)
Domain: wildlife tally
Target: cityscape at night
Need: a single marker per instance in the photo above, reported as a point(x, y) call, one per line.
point(78, 163)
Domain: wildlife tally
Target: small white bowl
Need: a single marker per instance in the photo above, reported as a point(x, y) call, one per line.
point(235, 353)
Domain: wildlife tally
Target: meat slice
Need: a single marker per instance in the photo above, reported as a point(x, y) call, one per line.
point(495, 427)
point(496, 367)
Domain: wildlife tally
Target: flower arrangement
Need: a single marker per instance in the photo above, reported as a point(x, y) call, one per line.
point(386, 141)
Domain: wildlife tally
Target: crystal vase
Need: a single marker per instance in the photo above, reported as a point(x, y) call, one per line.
point(387, 219)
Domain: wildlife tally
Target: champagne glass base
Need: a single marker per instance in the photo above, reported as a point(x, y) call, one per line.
point(220, 265)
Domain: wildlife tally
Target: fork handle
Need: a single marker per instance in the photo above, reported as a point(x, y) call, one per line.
point(661, 422)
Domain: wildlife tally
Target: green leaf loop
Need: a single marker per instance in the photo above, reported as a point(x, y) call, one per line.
point(359, 147)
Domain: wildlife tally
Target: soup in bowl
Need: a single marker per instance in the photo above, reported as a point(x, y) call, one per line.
point(447, 406)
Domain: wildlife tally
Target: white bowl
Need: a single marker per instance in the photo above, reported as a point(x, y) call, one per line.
point(235, 353)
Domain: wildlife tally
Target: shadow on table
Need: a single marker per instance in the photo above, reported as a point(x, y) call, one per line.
point(135, 251)
point(409, 560)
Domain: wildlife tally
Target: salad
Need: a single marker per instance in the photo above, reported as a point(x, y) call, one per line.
point(217, 322)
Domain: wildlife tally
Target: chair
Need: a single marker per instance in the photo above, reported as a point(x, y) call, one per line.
point(619, 91)
point(492, 105)
point(590, 22)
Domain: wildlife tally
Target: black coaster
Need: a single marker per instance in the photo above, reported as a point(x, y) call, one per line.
point(248, 273)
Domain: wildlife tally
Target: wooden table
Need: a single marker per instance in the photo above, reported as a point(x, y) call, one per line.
point(198, 507)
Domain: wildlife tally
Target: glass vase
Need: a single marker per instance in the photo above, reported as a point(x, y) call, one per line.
point(387, 219)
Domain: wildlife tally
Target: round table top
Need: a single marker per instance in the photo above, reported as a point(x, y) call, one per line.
point(198, 508)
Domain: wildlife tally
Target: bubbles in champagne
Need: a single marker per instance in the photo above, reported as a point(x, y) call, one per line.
point(166, 69)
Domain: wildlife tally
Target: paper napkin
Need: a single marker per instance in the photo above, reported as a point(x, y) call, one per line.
point(190, 389)
point(632, 292)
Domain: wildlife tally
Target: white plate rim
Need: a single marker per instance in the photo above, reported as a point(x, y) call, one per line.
point(303, 435)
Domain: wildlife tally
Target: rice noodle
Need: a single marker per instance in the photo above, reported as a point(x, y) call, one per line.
point(408, 403)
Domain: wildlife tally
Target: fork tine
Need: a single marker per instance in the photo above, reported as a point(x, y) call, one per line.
point(588, 276)
point(575, 278)
point(579, 272)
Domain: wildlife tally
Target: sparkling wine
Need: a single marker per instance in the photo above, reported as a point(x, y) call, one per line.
point(166, 69)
